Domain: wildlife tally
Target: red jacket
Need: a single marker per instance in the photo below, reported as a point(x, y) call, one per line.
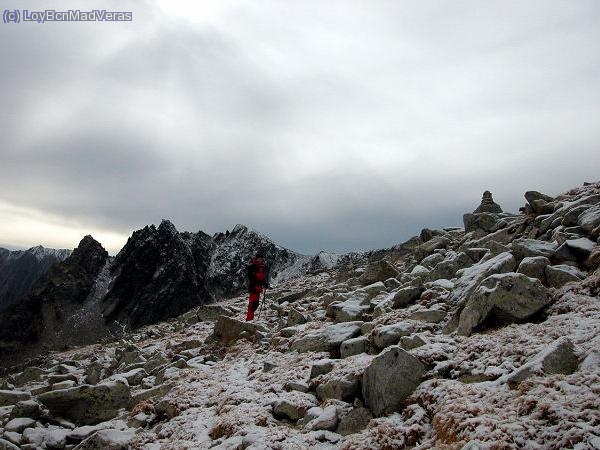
point(257, 276)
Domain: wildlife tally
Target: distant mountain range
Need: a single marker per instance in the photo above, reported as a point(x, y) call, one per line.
point(20, 269)
point(51, 299)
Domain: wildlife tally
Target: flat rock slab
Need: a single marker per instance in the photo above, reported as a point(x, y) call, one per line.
point(88, 404)
point(108, 440)
point(562, 274)
point(387, 335)
point(229, 329)
point(470, 277)
point(13, 397)
point(509, 297)
point(523, 248)
point(558, 358)
point(328, 338)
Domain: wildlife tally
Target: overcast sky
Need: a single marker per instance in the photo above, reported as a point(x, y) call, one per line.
point(336, 125)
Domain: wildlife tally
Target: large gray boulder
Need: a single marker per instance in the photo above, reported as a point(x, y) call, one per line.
point(378, 271)
point(534, 267)
point(387, 335)
point(562, 274)
point(108, 440)
point(470, 277)
point(452, 262)
point(293, 405)
point(354, 421)
point(13, 397)
point(350, 310)
point(6, 445)
point(508, 297)
point(590, 219)
point(88, 404)
point(344, 387)
point(228, 329)
point(558, 358)
point(523, 248)
point(574, 250)
point(390, 379)
point(354, 346)
point(328, 338)
point(405, 296)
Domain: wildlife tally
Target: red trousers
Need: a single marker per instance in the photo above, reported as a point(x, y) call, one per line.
point(253, 302)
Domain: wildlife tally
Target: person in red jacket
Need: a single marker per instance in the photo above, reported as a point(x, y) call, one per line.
point(257, 282)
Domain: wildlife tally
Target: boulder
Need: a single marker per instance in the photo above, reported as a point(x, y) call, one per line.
point(411, 342)
point(429, 315)
point(328, 338)
point(326, 420)
point(349, 310)
point(19, 424)
point(591, 361)
point(51, 438)
point(427, 248)
point(88, 404)
point(387, 335)
point(321, 367)
point(6, 445)
point(486, 222)
point(406, 296)
point(452, 262)
point(26, 408)
point(562, 274)
point(574, 250)
point(508, 297)
point(558, 358)
point(355, 421)
point(378, 271)
point(534, 267)
point(293, 406)
point(390, 378)
point(228, 329)
point(372, 289)
point(590, 219)
point(133, 377)
point(354, 346)
point(432, 260)
point(13, 397)
point(523, 248)
point(108, 439)
point(344, 387)
point(295, 317)
point(470, 277)
point(28, 375)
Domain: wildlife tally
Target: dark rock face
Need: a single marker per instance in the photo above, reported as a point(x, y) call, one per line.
point(157, 275)
point(52, 299)
point(19, 270)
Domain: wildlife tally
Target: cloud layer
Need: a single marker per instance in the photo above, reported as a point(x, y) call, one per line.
point(336, 125)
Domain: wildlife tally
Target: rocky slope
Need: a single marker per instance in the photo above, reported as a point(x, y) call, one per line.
point(20, 269)
point(459, 339)
point(160, 273)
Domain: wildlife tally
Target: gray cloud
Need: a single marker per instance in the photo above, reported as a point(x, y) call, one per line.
point(340, 125)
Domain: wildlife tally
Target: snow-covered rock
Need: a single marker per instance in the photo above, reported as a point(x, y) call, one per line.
point(327, 338)
point(562, 274)
point(88, 404)
point(507, 297)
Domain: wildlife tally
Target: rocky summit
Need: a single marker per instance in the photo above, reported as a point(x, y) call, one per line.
point(482, 337)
